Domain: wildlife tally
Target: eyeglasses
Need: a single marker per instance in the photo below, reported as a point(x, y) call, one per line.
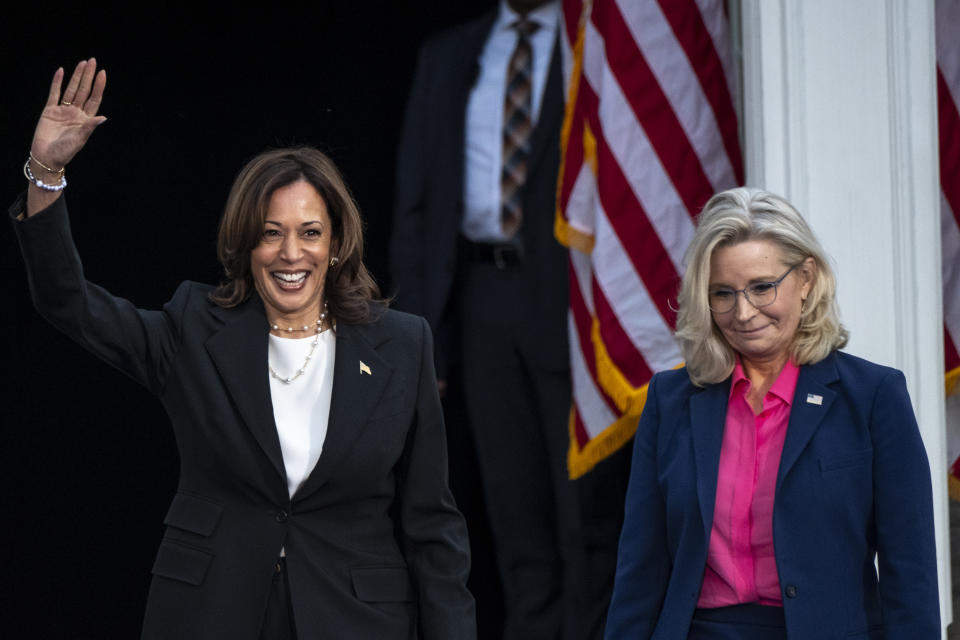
point(759, 294)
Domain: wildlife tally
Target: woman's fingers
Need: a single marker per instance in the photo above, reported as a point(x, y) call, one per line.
point(92, 105)
point(86, 83)
point(90, 125)
point(68, 121)
point(84, 90)
point(54, 97)
point(71, 91)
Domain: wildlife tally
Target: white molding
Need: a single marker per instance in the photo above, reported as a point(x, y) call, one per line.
point(840, 117)
point(764, 95)
point(915, 199)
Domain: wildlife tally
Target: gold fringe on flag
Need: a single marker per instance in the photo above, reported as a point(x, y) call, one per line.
point(566, 234)
point(953, 487)
point(629, 399)
point(580, 461)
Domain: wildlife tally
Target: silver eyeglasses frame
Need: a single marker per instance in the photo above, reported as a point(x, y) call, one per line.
point(746, 292)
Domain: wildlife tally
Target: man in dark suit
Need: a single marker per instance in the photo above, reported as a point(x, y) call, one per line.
point(473, 251)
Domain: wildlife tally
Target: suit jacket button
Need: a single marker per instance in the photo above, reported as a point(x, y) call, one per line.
point(281, 516)
point(790, 591)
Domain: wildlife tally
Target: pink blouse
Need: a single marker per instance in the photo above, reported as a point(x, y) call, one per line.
point(741, 566)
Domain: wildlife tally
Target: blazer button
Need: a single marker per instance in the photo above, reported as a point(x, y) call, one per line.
point(281, 516)
point(790, 591)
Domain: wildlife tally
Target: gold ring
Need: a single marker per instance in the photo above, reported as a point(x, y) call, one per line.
point(66, 104)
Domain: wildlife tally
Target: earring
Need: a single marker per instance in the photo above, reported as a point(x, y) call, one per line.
point(334, 261)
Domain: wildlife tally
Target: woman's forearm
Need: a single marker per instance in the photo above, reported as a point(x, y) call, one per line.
point(39, 199)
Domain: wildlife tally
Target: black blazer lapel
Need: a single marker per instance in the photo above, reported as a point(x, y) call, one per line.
point(545, 132)
point(708, 410)
point(460, 70)
point(239, 351)
point(811, 402)
point(452, 70)
point(464, 61)
point(360, 377)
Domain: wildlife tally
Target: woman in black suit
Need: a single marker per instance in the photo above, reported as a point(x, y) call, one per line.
point(312, 500)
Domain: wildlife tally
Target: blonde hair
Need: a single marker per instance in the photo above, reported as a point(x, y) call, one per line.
point(732, 217)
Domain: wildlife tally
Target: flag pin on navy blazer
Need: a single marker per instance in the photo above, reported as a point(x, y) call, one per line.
point(812, 398)
point(364, 369)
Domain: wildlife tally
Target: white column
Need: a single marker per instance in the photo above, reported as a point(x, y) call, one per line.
point(840, 117)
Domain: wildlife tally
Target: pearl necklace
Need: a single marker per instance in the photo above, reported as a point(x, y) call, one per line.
point(313, 346)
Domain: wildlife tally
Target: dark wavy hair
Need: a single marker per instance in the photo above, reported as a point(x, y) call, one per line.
point(350, 291)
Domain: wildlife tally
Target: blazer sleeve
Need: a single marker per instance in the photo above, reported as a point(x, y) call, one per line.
point(407, 251)
point(139, 343)
point(903, 507)
point(409, 238)
point(643, 559)
point(434, 534)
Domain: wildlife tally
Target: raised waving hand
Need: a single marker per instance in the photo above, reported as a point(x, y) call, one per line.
point(63, 129)
point(67, 122)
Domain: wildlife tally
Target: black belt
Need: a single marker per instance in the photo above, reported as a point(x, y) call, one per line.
point(503, 256)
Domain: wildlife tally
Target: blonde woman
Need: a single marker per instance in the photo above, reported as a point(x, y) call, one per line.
point(771, 472)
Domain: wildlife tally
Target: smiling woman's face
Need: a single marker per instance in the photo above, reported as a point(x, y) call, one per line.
point(289, 266)
point(765, 334)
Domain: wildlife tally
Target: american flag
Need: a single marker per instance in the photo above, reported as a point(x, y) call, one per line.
point(650, 134)
point(948, 115)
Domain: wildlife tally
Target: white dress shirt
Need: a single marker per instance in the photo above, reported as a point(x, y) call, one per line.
point(301, 409)
point(483, 147)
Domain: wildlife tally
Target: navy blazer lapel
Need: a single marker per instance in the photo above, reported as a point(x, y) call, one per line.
point(239, 351)
point(360, 376)
point(811, 402)
point(708, 411)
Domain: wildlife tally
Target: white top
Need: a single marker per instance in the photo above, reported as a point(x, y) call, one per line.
point(483, 146)
point(301, 409)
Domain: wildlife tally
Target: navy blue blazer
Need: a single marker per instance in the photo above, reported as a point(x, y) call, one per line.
point(853, 485)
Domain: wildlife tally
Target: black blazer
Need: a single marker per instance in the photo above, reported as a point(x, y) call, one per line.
point(429, 194)
point(375, 546)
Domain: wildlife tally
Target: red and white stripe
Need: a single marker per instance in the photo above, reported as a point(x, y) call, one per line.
point(650, 135)
point(948, 108)
point(948, 122)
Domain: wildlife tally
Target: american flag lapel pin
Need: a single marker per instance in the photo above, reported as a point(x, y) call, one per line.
point(364, 369)
point(813, 398)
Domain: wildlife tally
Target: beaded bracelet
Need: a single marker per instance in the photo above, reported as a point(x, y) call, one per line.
point(40, 183)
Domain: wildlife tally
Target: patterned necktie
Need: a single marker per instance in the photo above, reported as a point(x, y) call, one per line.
point(516, 128)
